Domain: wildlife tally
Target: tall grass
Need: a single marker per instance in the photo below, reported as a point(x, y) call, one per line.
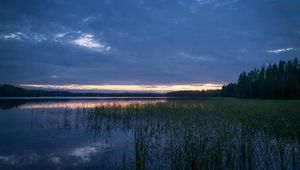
point(210, 134)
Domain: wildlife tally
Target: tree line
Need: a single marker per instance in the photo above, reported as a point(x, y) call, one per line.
point(194, 93)
point(275, 81)
point(7, 90)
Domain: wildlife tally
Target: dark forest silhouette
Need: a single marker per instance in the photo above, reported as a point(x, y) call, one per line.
point(275, 81)
point(7, 90)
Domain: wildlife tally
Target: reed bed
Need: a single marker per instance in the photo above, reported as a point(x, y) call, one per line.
point(206, 134)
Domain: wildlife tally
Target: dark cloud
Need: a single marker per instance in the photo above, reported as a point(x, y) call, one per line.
point(143, 41)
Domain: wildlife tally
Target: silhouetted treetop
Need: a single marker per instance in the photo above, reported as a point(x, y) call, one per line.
point(275, 81)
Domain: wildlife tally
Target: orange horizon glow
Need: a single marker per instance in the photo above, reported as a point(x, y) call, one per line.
point(87, 104)
point(128, 88)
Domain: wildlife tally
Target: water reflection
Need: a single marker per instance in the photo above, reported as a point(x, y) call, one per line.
point(139, 134)
point(74, 103)
point(85, 104)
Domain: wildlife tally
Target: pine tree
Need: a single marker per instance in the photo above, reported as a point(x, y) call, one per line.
point(276, 81)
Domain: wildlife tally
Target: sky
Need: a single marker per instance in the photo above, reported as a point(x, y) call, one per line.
point(142, 45)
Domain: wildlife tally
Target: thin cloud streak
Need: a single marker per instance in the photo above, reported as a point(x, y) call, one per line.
point(129, 88)
point(20, 36)
point(282, 50)
point(88, 41)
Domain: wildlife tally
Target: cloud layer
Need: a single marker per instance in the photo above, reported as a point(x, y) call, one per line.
point(143, 42)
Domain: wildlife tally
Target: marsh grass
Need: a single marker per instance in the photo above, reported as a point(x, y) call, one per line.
point(208, 134)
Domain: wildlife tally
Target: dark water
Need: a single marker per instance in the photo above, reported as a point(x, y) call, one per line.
point(146, 133)
point(55, 134)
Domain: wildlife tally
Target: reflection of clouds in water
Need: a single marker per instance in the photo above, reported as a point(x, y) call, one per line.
point(86, 104)
point(23, 159)
point(10, 160)
point(81, 154)
point(86, 152)
point(55, 159)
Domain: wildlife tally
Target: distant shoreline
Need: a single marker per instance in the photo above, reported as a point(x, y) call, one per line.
point(81, 97)
point(103, 98)
point(11, 91)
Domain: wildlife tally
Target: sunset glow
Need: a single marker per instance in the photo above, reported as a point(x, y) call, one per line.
point(129, 88)
point(87, 104)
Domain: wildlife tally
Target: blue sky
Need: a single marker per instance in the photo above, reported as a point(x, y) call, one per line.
point(143, 42)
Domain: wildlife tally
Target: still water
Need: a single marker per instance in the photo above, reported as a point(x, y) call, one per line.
point(148, 133)
point(54, 133)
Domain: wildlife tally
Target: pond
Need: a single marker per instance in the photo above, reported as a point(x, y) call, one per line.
point(148, 133)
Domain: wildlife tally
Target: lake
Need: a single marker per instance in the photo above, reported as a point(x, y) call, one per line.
point(148, 133)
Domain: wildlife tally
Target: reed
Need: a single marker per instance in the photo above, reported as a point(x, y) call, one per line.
point(208, 134)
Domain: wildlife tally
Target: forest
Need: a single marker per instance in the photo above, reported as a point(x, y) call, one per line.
point(276, 81)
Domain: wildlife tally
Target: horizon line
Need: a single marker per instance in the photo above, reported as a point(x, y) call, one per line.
point(128, 88)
